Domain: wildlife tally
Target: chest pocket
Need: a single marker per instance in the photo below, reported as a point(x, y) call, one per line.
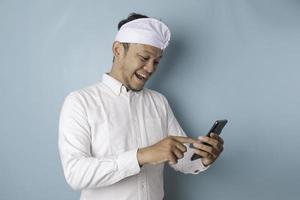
point(154, 130)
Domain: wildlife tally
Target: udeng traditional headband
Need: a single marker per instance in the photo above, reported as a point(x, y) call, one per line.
point(147, 31)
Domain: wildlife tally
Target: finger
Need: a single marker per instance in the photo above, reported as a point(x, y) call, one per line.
point(215, 153)
point(205, 154)
point(217, 137)
point(172, 159)
point(221, 149)
point(177, 153)
point(218, 145)
point(183, 139)
point(207, 148)
point(201, 153)
point(180, 146)
point(208, 140)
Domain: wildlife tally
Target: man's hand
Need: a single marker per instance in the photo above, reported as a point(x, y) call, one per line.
point(209, 148)
point(169, 149)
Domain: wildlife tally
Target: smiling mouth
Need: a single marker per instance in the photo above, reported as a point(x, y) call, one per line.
point(140, 77)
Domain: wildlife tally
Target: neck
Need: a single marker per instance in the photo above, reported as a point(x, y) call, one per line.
point(117, 75)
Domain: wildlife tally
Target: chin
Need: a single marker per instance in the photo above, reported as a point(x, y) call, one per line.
point(137, 88)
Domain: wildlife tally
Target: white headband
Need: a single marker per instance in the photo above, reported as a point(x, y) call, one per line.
point(148, 31)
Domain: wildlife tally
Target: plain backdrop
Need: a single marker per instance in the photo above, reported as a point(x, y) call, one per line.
point(230, 59)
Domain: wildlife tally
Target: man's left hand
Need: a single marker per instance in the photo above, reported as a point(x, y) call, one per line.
point(209, 148)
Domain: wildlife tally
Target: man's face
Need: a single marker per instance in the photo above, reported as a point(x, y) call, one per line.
point(138, 64)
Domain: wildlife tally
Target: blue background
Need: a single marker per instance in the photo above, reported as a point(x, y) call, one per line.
point(227, 59)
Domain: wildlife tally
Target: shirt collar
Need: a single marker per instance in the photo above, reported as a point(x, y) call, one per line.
point(115, 85)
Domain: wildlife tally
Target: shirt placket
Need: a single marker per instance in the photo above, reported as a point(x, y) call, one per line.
point(141, 177)
point(142, 185)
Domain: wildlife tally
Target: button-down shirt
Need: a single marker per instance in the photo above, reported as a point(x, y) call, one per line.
point(101, 128)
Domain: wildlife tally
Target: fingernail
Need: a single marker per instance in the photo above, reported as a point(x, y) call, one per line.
point(200, 137)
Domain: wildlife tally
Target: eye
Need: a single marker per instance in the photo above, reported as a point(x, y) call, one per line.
point(143, 59)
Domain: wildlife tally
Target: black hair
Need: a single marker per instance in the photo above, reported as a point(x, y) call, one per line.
point(131, 17)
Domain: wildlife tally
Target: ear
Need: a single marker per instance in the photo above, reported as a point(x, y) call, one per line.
point(117, 49)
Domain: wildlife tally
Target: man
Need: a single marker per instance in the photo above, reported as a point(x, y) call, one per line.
point(116, 135)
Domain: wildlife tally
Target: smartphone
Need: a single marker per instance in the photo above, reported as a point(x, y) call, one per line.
point(217, 129)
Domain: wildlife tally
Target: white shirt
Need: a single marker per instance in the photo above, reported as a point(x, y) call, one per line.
point(101, 128)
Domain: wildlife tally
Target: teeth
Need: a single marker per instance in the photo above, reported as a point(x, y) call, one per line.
point(142, 75)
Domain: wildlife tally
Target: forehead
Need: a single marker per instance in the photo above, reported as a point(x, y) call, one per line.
point(146, 49)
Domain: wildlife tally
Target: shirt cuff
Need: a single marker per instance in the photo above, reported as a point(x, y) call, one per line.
point(197, 166)
point(128, 163)
point(188, 166)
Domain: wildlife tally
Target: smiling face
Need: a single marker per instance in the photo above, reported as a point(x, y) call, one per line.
point(136, 65)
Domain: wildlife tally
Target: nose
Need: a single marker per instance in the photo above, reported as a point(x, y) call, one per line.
point(150, 67)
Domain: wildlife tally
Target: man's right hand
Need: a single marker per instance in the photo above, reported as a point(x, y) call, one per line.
point(169, 149)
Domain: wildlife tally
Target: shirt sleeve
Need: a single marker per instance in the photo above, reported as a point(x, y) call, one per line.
point(81, 169)
point(185, 164)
